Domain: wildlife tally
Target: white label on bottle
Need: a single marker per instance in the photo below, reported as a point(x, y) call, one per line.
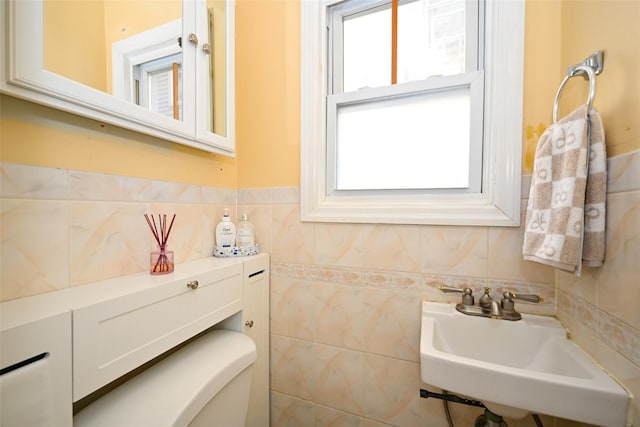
point(244, 239)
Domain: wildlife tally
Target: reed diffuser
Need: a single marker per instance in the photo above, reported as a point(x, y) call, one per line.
point(161, 261)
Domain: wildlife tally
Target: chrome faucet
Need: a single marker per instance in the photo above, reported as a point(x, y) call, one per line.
point(487, 306)
point(488, 303)
point(495, 311)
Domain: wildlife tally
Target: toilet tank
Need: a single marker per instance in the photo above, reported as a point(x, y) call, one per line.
point(177, 389)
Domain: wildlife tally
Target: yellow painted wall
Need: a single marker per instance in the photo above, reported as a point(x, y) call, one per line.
point(31, 134)
point(268, 92)
point(541, 65)
point(558, 33)
point(74, 44)
point(612, 26)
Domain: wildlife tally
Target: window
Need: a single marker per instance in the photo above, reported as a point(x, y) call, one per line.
point(158, 85)
point(371, 100)
point(417, 115)
point(147, 69)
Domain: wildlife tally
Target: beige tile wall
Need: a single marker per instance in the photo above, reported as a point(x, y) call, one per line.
point(602, 308)
point(345, 340)
point(345, 298)
point(62, 228)
point(345, 301)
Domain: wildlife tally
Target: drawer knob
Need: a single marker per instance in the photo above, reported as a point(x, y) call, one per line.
point(192, 284)
point(249, 323)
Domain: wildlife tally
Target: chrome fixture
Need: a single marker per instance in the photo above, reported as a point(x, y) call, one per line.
point(589, 69)
point(487, 306)
point(508, 306)
point(595, 62)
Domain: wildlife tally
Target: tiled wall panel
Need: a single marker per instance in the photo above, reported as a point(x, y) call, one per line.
point(62, 228)
point(345, 298)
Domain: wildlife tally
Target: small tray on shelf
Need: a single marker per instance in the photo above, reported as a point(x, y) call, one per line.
point(234, 251)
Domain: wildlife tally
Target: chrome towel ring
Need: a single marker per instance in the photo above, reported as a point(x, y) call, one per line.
point(578, 70)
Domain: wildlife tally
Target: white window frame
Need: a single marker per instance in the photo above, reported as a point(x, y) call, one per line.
point(498, 203)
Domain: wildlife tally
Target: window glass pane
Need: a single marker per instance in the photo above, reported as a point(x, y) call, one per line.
point(431, 39)
point(418, 141)
point(157, 85)
point(161, 92)
point(367, 50)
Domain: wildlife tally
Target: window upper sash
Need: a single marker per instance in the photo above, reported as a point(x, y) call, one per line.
point(396, 26)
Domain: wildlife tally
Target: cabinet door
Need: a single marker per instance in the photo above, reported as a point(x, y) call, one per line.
point(29, 76)
point(115, 336)
point(215, 76)
point(255, 324)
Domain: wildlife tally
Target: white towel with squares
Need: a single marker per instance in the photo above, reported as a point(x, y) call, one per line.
point(565, 221)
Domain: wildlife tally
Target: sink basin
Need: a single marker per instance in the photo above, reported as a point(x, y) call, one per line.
point(515, 368)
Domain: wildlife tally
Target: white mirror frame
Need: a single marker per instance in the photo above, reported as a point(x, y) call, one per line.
point(22, 75)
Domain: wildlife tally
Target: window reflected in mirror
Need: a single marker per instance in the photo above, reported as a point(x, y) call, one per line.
point(157, 85)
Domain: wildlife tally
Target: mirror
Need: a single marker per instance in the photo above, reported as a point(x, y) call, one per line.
point(79, 37)
point(140, 64)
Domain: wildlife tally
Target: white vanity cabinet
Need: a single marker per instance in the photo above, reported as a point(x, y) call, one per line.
point(35, 343)
point(115, 336)
point(117, 325)
point(255, 324)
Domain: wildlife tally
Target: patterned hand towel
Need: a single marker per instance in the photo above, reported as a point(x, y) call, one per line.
point(565, 221)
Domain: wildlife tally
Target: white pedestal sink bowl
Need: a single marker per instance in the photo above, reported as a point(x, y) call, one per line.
point(518, 367)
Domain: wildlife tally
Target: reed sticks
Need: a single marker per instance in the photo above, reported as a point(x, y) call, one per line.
point(161, 233)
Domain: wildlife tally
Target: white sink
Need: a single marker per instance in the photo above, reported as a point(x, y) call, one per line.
point(518, 367)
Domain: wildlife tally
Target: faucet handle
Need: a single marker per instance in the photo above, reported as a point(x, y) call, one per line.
point(508, 306)
point(524, 297)
point(449, 289)
point(467, 293)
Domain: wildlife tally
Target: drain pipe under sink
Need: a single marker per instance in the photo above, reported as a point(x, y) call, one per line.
point(488, 419)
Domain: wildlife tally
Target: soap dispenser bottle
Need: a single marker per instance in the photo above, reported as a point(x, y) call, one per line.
point(226, 231)
point(246, 232)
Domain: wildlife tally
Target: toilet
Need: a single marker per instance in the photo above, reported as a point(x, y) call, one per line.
point(205, 383)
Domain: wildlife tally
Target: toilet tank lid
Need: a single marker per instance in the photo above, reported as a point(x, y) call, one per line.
point(174, 390)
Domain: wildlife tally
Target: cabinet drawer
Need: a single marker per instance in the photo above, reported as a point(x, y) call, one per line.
point(113, 337)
